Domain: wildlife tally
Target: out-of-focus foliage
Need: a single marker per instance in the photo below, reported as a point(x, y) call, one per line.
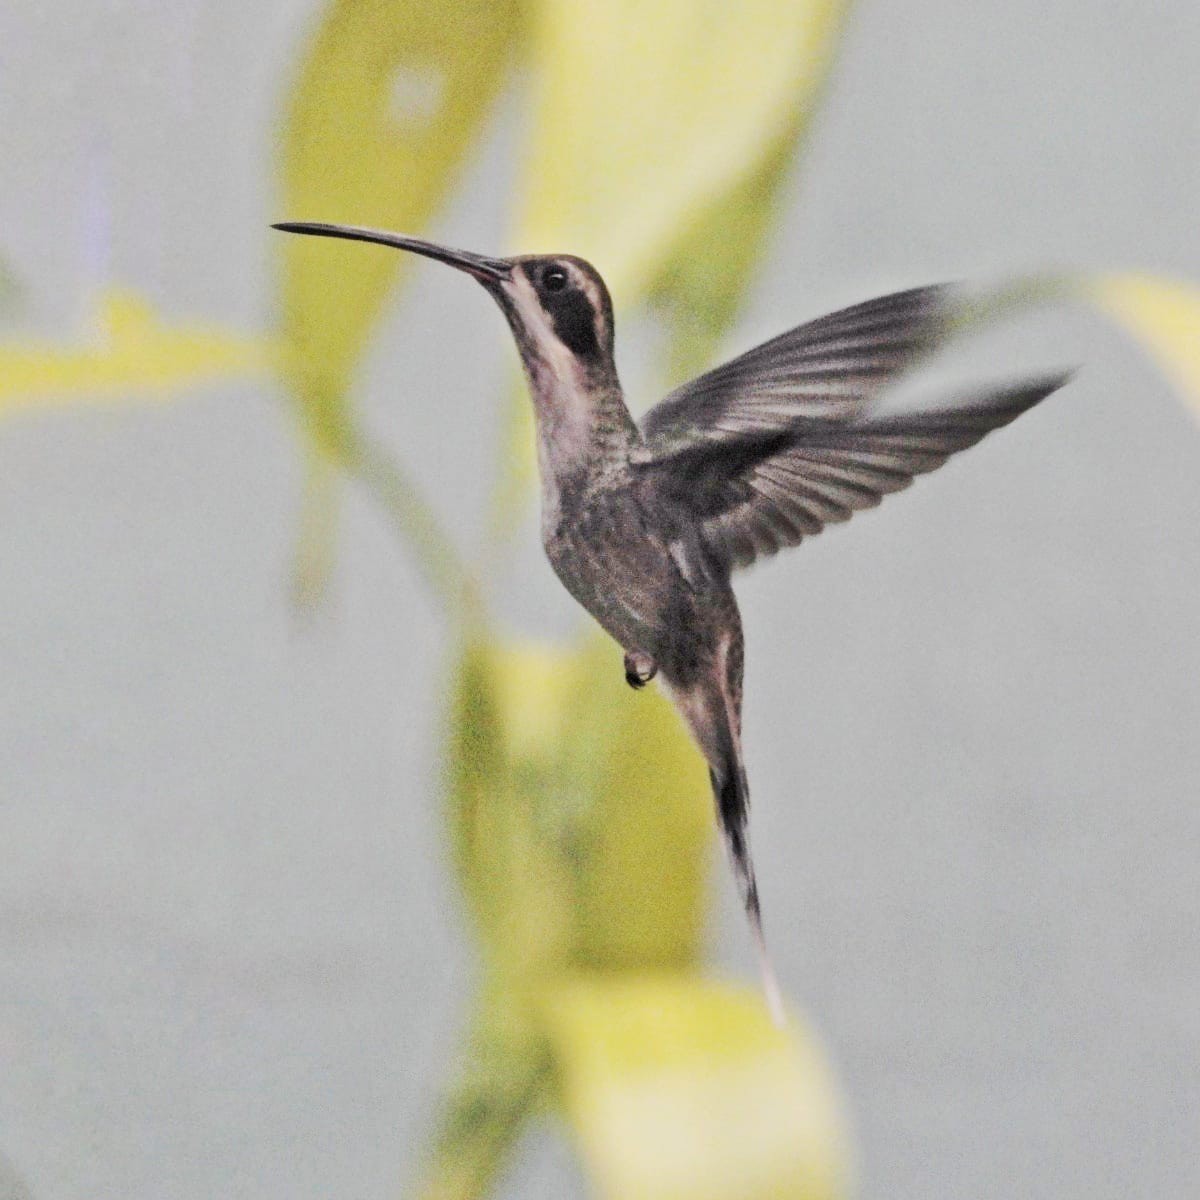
point(1164, 314)
point(661, 133)
point(655, 112)
point(581, 821)
point(702, 281)
point(659, 136)
point(686, 1091)
point(387, 102)
point(132, 355)
point(504, 1074)
point(580, 812)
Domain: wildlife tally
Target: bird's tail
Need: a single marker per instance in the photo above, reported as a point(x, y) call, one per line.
point(732, 798)
point(711, 709)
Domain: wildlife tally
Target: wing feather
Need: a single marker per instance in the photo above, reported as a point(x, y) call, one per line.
point(829, 368)
point(753, 495)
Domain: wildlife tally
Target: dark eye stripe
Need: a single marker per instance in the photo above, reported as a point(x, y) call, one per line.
point(574, 322)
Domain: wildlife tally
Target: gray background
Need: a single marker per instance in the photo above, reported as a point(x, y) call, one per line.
point(230, 956)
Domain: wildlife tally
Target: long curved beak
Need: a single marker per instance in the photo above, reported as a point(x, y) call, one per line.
point(487, 270)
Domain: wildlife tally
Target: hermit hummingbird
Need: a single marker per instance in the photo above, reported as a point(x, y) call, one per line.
point(645, 522)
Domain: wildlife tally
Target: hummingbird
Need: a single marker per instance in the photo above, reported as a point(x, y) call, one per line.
point(645, 522)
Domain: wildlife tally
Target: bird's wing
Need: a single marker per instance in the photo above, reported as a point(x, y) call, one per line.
point(749, 495)
point(828, 369)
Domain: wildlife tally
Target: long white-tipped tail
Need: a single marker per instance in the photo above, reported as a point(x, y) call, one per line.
point(730, 792)
point(770, 984)
point(711, 708)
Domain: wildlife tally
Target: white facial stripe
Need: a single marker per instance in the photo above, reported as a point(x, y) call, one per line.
point(540, 329)
point(557, 380)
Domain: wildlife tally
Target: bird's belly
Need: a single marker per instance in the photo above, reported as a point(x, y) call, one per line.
point(617, 570)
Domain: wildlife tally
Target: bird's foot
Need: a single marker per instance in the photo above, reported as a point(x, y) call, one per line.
point(639, 669)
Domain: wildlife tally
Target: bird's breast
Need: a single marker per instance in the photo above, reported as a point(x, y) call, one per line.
point(609, 556)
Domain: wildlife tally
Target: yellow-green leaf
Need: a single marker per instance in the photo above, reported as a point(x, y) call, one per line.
point(682, 1089)
point(387, 103)
point(703, 279)
point(645, 839)
point(661, 133)
point(507, 793)
point(646, 113)
point(388, 100)
point(581, 812)
point(1164, 314)
point(133, 355)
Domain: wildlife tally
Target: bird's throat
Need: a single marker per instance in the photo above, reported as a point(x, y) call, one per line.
point(579, 427)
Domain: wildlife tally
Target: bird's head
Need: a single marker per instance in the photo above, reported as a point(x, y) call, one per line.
point(557, 305)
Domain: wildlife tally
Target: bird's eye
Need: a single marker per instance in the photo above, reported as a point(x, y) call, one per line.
point(554, 279)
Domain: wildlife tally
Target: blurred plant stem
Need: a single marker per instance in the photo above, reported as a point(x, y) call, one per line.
point(316, 533)
point(387, 103)
point(503, 1074)
point(12, 290)
point(342, 448)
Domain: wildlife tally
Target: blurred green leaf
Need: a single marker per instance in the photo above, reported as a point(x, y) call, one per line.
point(506, 792)
point(133, 355)
point(581, 820)
point(647, 114)
point(388, 100)
point(680, 1089)
point(644, 839)
point(703, 280)
point(580, 812)
point(661, 134)
point(706, 273)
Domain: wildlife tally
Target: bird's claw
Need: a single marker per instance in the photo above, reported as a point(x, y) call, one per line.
point(639, 670)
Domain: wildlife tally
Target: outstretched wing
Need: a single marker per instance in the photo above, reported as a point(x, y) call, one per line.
point(748, 494)
point(829, 368)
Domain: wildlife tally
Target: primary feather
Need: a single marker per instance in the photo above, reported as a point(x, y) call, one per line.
point(827, 368)
point(751, 495)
